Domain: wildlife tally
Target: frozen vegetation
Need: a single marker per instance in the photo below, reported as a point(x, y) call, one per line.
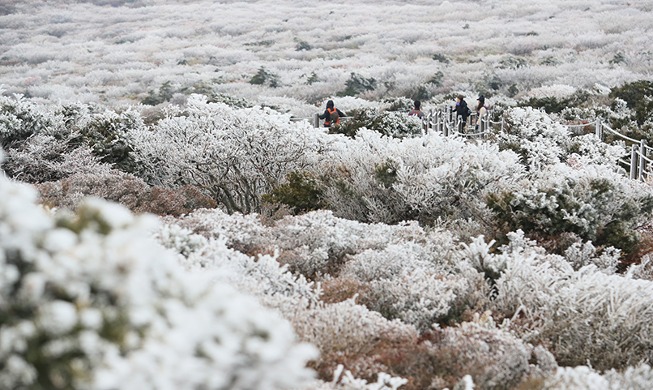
point(167, 222)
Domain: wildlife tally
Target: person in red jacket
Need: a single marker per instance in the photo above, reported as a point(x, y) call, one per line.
point(331, 115)
point(417, 110)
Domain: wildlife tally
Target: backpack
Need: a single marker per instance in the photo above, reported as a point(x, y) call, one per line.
point(334, 117)
point(468, 111)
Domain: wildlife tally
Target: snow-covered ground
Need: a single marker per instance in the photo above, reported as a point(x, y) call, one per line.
point(115, 51)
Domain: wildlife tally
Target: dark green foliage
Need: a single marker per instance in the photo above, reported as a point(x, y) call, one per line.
point(512, 62)
point(312, 79)
point(357, 84)
point(399, 104)
point(590, 204)
point(421, 93)
point(440, 58)
point(20, 118)
point(389, 123)
point(618, 58)
point(492, 82)
point(263, 77)
point(303, 46)
point(639, 97)
point(556, 105)
point(106, 135)
point(550, 61)
point(356, 119)
point(229, 100)
point(513, 90)
point(301, 192)
point(437, 79)
point(386, 174)
point(164, 94)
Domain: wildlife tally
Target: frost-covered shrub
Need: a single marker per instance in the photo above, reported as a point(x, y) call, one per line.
point(389, 123)
point(594, 203)
point(379, 179)
point(128, 190)
point(30, 131)
point(557, 100)
point(572, 312)
point(535, 137)
point(244, 233)
point(89, 301)
point(236, 155)
point(643, 270)
point(21, 117)
point(358, 84)
point(318, 243)
point(581, 255)
point(350, 334)
point(261, 275)
point(494, 358)
point(577, 378)
point(417, 283)
point(639, 97)
point(541, 141)
point(345, 332)
point(300, 192)
point(107, 134)
point(43, 158)
point(264, 77)
point(113, 185)
point(163, 94)
point(637, 377)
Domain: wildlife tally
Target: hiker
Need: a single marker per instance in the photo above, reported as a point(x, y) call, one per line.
point(481, 110)
point(331, 114)
point(417, 111)
point(462, 109)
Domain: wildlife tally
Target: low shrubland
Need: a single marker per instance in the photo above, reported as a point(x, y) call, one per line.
point(407, 260)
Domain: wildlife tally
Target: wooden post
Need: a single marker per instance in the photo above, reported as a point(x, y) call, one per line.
point(633, 161)
point(599, 130)
point(316, 120)
point(642, 161)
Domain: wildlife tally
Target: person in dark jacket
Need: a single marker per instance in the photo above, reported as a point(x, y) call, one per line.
point(331, 115)
point(462, 109)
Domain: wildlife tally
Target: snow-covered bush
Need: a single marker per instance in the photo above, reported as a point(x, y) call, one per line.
point(593, 202)
point(389, 123)
point(350, 334)
point(494, 358)
point(49, 142)
point(637, 377)
point(416, 283)
point(541, 141)
point(89, 301)
point(535, 137)
point(571, 311)
point(318, 243)
point(126, 189)
point(236, 155)
point(380, 179)
point(21, 117)
point(244, 233)
point(577, 378)
point(43, 158)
